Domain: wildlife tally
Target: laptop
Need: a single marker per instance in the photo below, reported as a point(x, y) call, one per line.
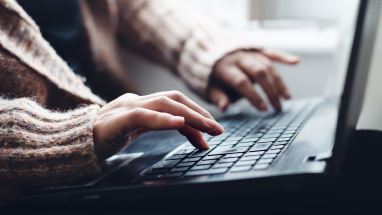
point(307, 142)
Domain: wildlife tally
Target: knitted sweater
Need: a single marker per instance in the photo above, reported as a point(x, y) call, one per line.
point(39, 146)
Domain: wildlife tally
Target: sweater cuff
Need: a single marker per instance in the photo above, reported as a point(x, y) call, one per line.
point(39, 147)
point(201, 52)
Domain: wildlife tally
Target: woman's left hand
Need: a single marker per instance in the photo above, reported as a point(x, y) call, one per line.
point(234, 75)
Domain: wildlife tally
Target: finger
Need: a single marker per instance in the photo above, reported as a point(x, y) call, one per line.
point(240, 82)
point(260, 70)
point(194, 136)
point(218, 97)
point(141, 118)
point(192, 118)
point(113, 129)
point(281, 57)
point(180, 97)
point(280, 84)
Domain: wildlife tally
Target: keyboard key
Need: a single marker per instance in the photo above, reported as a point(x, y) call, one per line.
point(200, 153)
point(253, 135)
point(219, 138)
point(247, 144)
point(165, 164)
point(269, 156)
point(234, 138)
point(211, 157)
point(176, 157)
point(245, 163)
point(214, 141)
point(280, 127)
point(250, 158)
point(251, 140)
point(265, 161)
point(188, 164)
point(283, 139)
point(207, 172)
point(255, 153)
point(275, 131)
point(240, 168)
point(228, 160)
point(260, 147)
point(274, 151)
point(277, 147)
point(191, 159)
point(184, 152)
point(201, 167)
point(224, 165)
point(180, 169)
point(228, 150)
point(260, 166)
point(228, 143)
point(286, 136)
point(270, 136)
point(205, 162)
point(290, 131)
point(280, 143)
point(266, 140)
point(236, 155)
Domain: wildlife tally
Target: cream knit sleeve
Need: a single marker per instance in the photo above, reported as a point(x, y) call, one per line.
point(40, 147)
point(166, 31)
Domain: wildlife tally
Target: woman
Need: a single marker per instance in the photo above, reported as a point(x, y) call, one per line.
point(53, 129)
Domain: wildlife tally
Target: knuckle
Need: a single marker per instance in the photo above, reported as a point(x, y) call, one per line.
point(243, 62)
point(261, 74)
point(176, 94)
point(163, 100)
point(268, 66)
point(240, 81)
point(136, 113)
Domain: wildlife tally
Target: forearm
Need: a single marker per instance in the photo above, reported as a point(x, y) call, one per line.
point(168, 33)
point(39, 147)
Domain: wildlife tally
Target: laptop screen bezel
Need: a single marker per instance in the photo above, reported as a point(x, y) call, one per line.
point(355, 83)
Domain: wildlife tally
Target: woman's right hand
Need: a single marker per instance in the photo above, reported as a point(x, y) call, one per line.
point(131, 115)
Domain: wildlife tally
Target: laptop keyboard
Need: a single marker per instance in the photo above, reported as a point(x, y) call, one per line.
point(248, 144)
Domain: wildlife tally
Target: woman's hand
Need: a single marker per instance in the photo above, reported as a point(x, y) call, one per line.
point(234, 75)
point(130, 115)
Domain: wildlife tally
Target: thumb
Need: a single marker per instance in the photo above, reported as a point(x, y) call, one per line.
point(281, 57)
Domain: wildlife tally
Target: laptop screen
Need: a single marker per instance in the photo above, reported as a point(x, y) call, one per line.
point(355, 83)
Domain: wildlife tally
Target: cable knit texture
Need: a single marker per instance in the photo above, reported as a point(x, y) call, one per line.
point(40, 147)
point(22, 38)
point(185, 42)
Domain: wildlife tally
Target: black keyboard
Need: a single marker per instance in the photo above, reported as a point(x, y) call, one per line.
point(248, 144)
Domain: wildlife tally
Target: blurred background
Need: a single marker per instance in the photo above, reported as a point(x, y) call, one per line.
point(319, 31)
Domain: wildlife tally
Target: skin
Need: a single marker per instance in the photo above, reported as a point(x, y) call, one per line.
point(233, 77)
point(132, 114)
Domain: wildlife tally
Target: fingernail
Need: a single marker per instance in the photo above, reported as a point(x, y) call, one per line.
point(215, 127)
point(205, 145)
point(294, 59)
